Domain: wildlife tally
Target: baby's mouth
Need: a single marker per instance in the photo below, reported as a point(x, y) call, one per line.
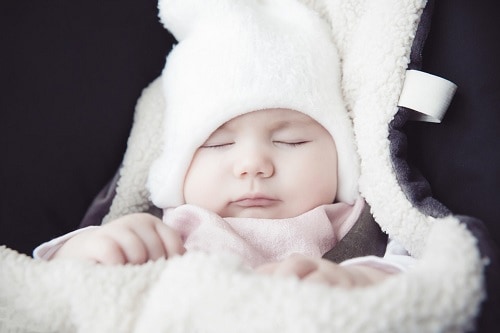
point(255, 200)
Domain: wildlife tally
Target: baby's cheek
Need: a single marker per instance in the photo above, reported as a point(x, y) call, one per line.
point(325, 186)
point(203, 189)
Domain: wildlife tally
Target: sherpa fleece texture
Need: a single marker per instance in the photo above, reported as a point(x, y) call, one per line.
point(210, 293)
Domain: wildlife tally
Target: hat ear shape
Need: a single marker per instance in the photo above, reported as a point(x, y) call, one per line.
point(180, 17)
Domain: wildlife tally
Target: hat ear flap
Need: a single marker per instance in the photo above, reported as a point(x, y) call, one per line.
point(180, 17)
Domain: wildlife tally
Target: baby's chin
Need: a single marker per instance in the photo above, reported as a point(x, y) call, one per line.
point(261, 213)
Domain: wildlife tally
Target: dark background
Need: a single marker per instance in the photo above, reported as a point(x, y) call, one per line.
point(70, 75)
point(461, 156)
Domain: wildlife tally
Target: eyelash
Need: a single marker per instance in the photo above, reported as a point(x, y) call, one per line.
point(291, 144)
point(222, 145)
point(217, 146)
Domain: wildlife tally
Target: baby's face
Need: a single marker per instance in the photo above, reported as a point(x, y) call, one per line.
point(275, 163)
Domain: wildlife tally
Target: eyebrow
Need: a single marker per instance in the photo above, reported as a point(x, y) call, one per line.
point(283, 124)
point(279, 124)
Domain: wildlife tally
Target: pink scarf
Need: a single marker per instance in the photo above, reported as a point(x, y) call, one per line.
point(258, 241)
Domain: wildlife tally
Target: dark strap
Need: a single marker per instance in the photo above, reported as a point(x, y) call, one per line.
point(421, 35)
point(101, 204)
point(365, 238)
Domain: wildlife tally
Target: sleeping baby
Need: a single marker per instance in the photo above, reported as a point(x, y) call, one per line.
point(258, 157)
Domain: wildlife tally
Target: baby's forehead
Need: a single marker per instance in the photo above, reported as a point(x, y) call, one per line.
point(274, 119)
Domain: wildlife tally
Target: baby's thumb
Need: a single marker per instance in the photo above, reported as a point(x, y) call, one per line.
point(171, 239)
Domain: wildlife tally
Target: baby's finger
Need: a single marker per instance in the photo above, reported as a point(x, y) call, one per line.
point(296, 265)
point(317, 277)
point(267, 268)
point(332, 274)
point(171, 240)
point(151, 241)
point(338, 280)
point(131, 245)
point(105, 250)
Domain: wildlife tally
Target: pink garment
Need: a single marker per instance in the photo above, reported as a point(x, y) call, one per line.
point(258, 241)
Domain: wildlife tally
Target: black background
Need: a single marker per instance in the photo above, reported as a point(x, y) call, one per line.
point(71, 73)
point(461, 156)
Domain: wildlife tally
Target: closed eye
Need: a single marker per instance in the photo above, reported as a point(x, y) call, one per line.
point(217, 145)
point(290, 143)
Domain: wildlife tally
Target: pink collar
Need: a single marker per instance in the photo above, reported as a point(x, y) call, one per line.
point(258, 241)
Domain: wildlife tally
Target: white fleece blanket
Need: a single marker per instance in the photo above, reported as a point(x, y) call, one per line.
point(212, 293)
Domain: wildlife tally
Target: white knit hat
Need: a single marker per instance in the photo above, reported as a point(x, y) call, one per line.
point(238, 56)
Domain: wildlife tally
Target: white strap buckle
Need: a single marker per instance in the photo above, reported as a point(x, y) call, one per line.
point(427, 94)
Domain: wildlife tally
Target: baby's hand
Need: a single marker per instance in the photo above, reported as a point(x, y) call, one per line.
point(134, 238)
point(323, 271)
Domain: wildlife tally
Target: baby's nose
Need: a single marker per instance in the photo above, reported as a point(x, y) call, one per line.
point(254, 163)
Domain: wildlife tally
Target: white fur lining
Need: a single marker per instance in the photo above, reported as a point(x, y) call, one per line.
point(210, 293)
point(143, 147)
